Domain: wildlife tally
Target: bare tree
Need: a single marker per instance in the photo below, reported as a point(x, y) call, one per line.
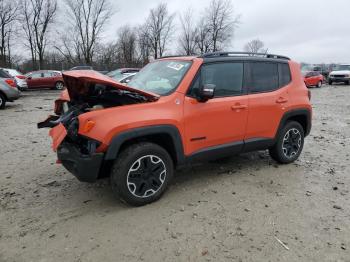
point(203, 39)
point(221, 22)
point(87, 19)
point(37, 16)
point(187, 38)
point(144, 44)
point(8, 16)
point(255, 46)
point(127, 46)
point(160, 29)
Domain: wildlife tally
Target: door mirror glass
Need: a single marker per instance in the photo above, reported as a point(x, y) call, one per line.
point(206, 92)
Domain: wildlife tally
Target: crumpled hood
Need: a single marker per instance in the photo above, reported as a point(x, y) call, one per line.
point(78, 82)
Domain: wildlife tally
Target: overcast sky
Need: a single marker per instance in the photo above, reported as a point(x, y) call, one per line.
point(306, 30)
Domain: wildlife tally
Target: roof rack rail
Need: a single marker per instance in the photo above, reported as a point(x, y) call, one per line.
point(226, 54)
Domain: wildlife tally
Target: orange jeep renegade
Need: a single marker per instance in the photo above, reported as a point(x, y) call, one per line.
point(175, 111)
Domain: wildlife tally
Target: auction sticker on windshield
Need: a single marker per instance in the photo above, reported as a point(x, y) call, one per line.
point(176, 66)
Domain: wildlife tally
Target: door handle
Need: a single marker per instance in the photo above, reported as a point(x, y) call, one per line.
point(239, 107)
point(281, 100)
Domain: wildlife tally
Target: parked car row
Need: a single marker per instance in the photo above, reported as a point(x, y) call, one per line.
point(8, 89)
point(315, 78)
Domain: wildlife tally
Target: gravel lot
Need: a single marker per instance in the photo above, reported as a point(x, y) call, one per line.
point(232, 210)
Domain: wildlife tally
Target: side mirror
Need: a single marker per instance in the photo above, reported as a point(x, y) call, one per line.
point(206, 92)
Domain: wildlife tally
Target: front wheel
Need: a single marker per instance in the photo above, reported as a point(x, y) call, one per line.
point(289, 144)
point(330, 82)
point(319, 84)
point(2, 101)
point(59, 85)
point(141, 173)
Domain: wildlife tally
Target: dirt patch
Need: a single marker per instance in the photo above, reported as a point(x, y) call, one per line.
point(246, 208)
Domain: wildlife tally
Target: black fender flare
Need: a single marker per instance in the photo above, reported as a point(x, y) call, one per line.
point(172, 131)
point(297, 112)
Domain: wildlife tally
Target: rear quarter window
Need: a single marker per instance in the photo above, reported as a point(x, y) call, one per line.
point(3, 74)
point(284, 74)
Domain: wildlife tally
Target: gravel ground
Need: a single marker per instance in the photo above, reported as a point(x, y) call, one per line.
point(246, 208)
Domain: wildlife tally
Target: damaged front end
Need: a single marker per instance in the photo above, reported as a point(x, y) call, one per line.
point(87, 91)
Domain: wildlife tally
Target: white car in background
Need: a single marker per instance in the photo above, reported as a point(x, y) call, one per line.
point(341, 73)
point(20, 79)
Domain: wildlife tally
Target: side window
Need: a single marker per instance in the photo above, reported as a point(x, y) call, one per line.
point(263, 77)
point(36, 75)
point(284, 75)
point(47, 74)
point(227, 77)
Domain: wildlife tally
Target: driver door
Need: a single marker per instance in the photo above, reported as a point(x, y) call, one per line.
point(221, 121)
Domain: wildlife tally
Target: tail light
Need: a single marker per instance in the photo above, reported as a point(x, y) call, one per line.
point(21, 77)
point(11, 82)
point(309, 94)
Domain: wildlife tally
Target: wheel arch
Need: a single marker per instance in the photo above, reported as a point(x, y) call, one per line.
point(302, 116)
point(167, 136)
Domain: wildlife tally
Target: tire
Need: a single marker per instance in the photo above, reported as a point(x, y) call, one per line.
point(330, 82)
point(59, 85)
point(288, 148)
point(132, 178)
point(2, 101)
point(319, 84)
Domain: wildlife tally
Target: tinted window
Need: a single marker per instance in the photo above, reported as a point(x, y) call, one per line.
point(263, 77)
point(284, 75)
point(227, 77)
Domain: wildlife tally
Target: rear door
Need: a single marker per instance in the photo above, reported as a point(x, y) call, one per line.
point(268, 99)
point(222, 120)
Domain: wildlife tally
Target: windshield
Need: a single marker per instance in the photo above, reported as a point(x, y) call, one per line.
point(116, 74)
point(342, 68)
point(160, 77)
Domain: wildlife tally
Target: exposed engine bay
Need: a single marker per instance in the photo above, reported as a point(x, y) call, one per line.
point(95, 97)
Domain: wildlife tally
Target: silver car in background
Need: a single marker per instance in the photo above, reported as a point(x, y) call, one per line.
point(19, 78)
point(8, 89)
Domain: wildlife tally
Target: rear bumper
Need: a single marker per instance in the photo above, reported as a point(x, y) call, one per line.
point(12, 94)
point(85, 168)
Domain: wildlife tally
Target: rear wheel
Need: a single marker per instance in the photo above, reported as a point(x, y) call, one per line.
point(59, 85)
point(141, 173)
point(289, 144)
point(2, 101)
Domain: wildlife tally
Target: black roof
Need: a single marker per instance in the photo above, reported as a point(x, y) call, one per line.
point(224, 56)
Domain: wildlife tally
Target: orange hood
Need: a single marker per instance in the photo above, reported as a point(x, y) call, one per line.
point(78, 82)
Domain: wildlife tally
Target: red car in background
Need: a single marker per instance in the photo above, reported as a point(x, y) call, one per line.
point(313, 79)
point(45, 79)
